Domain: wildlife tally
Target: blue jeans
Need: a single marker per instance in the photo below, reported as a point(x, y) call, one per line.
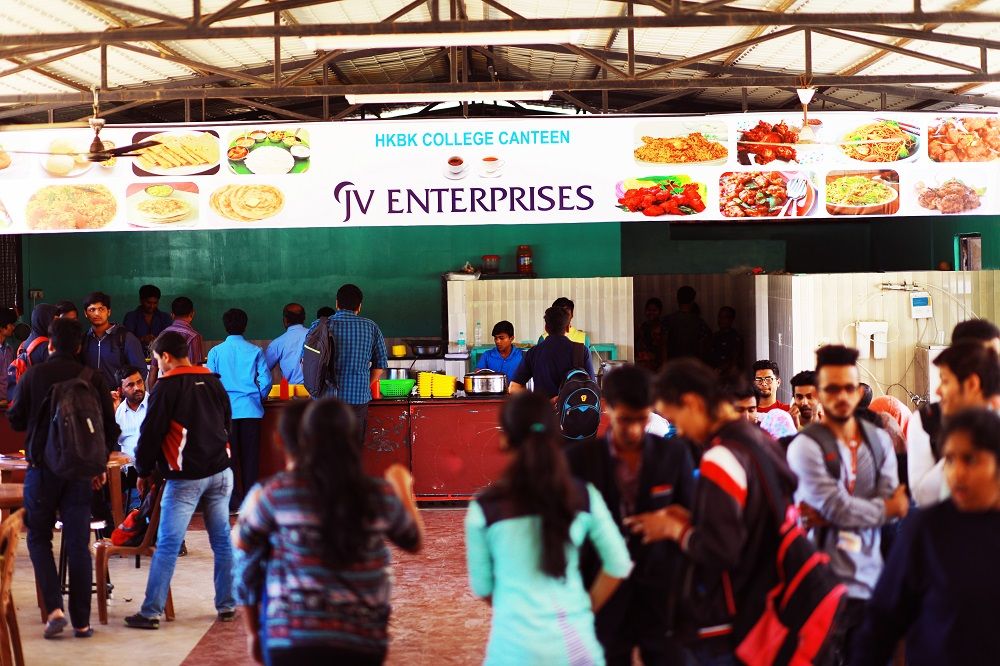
point(180, 498)
point(44, 494)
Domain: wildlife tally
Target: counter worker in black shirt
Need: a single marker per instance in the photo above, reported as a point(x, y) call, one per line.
point(46, 494)
point(549, 361)
point(636, 472)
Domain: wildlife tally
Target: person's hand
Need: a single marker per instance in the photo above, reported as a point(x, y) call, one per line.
point(142, 485)
point(400, 479)
point(897, 505)
point(662, 525)
point(98, 481)
point(116, 398)
point(811, 518)
point(818, 418)
point(253, 647)
point(793, 411)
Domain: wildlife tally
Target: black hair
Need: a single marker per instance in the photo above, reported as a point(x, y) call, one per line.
point(65, 335)
point(149, 291)
point(804, 378)
point(181, 306)
point(349, 297)
point(235, 321)
point(65, 307)
point(980, 330)
point(972, 358)
point(124, 373)
point(328, 460)
point(503, 327)
point(7, 316)
point(686, 295)
point(730, 309)
point(563, 302)
point(835, 355)
point(170, 342)
point(689, 375)
point(289, 425)
point(294, 314)
point(325, 311)
point(537, 481)
point(981, 425)
point(556, 320)
point(866, 396)
point(741, 389)
point(655, 302)
point(97, 297)
point(628, 385)
point(765, 364)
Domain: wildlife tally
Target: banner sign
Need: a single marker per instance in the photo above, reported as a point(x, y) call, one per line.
point(736, 168)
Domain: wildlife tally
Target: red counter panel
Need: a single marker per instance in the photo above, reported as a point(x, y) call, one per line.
point(387, 440)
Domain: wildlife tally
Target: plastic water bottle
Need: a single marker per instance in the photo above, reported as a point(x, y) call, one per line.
point(479, 334)
point(461, 339)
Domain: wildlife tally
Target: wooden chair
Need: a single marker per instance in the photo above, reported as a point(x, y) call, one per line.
point(104, 549)
point(11, 653)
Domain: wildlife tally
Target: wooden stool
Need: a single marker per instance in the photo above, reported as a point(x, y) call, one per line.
point(11, 498)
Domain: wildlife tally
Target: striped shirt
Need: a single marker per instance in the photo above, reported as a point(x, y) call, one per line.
point(359, 346)
point(308, 603)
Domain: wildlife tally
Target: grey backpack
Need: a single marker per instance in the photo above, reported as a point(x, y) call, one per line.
point(317, 358)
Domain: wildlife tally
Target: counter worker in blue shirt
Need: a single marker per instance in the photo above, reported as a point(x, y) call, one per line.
point(131, 399)
point(241, 366)
point(359, 354)
point(505, 357)
point(285, 351)
point(147, 321)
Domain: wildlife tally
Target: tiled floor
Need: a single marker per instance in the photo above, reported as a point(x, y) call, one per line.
point(435, 618)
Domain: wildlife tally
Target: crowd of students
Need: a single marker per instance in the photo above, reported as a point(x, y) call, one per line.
point(586, 550)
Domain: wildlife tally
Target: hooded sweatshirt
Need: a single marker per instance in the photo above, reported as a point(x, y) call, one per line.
point(41, 317)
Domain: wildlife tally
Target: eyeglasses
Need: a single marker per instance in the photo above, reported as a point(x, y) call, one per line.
point(764, 380)
point(836, 389)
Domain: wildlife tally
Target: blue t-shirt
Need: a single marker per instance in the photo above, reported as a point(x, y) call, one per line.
point(492, 360)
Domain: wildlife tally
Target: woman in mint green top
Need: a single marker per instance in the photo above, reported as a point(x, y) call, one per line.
point(523, 537)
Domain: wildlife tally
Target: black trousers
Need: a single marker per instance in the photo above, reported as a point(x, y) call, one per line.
point(244, 441)
point(636, 617)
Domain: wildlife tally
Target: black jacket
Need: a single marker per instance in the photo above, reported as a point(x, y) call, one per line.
point(26, 411)
point(187, 426)
point(666, 477)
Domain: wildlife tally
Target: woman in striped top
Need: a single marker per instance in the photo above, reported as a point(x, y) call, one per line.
point(312, 563)
point(523, 538)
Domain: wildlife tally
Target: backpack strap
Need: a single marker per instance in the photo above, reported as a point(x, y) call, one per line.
point(121, 335)
point(827, 442)
point(869, 434)
point(32, 347)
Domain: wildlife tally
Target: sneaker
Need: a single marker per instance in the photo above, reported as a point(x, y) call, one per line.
point(227, 616)
point(55, 626)
point(139, 621)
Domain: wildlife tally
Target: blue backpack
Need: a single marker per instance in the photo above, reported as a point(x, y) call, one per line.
point(579, 400)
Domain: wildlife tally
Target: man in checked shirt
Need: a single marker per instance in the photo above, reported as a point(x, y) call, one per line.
point(359, 354)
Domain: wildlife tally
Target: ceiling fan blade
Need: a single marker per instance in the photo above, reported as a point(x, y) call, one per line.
point(39, 152)
point(132, 147)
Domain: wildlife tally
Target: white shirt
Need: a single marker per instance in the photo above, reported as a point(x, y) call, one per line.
point(927, 484)
point(657, 425)
point(130, 421)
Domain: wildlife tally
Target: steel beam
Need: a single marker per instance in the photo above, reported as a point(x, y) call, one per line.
point(142, 11)
point(896, 49)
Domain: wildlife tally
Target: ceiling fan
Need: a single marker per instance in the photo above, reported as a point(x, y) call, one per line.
point(99, 151)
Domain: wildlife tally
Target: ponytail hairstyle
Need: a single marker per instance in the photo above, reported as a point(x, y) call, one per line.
point(537, 481)
point(329, 461)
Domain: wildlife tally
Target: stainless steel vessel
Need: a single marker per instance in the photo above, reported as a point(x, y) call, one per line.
point(485, 382)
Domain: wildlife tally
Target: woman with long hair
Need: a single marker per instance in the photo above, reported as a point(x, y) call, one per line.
point(523, 537)
point(312, 565)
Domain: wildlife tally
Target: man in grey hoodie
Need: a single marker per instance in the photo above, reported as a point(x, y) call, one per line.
point(848, 485)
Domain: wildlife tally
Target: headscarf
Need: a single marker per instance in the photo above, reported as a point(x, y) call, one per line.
point(778, 423)
point(895, 408)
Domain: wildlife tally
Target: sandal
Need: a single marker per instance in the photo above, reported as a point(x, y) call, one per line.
point(54, 627)
point(85, 633)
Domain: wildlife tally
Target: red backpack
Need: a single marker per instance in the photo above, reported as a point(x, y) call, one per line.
point(22, 360)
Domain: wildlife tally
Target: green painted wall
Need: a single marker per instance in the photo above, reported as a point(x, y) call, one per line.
point(398, 268)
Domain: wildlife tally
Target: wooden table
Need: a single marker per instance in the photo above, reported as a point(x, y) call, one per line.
point(11, 498)
point(10, 466)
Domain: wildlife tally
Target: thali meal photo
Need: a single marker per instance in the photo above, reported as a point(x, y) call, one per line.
point(180, 153)
point(71, 207)
point(862, 192)
point(269, 152)
point(765, 194)
point(950, 197)
point(681, 142)
point(972, 139)
point(767, 142)
point(162, 205)
point(247, 203)
point(657, 196)
point(881, 141)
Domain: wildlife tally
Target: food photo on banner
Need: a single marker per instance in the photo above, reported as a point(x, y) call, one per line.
point(753, 168)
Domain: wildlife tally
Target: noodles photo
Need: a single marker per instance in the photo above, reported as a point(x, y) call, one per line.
point(882, 141)
point(858, 191)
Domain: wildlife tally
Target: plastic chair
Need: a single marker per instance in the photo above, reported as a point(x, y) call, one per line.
point(11, 652)
point(104, 549)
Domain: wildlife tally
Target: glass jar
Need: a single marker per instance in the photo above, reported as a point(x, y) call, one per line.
point(524, 259)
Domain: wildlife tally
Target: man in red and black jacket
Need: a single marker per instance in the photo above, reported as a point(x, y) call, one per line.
point(731, 537)
point(186, 435)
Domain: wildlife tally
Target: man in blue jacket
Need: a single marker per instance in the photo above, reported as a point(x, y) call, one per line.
point(108, 346)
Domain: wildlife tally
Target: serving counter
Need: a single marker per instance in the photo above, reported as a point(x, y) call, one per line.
point(451, 445)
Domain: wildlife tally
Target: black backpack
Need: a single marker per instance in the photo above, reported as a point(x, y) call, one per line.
point(579, 400)
point(75, 447)
point(317, 358)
